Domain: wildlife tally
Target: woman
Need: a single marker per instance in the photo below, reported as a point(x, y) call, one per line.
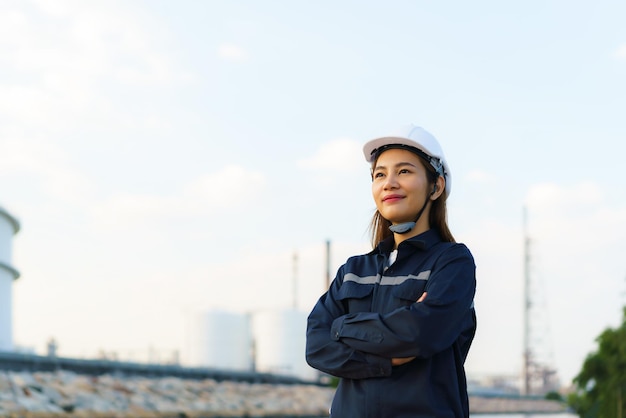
point(396, 324)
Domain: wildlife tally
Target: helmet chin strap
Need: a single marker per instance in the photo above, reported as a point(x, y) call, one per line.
point(402, 228)
point(405, 227)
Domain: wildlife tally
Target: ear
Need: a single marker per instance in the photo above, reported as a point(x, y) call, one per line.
point(439, 188)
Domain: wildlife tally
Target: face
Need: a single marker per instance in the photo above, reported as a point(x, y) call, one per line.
point(400, 186)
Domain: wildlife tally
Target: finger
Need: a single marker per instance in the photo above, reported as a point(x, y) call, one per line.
point(422, 297)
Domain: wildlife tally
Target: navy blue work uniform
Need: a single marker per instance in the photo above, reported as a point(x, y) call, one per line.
point(370, 315)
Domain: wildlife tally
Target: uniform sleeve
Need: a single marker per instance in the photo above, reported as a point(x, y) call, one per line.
point(332, 356)
point(421, 329)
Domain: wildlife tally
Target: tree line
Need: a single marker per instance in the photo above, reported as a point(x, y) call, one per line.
point(600, 387)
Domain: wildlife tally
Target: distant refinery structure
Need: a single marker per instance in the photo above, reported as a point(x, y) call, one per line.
point(221, 339)
point(9, 226)
point(538, 377)
point(265, 341)
point(279, 343)
point(269, 341)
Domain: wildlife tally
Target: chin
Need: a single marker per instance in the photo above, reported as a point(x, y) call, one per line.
point(397, 219)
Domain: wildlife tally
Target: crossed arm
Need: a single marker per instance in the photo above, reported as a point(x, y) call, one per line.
point(357, 345)
point(398, 361)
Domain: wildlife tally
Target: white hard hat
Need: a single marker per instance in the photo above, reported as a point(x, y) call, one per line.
point(415, 137)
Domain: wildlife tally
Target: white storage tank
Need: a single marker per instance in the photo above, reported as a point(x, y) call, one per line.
point(9, 226)
point(279, 341)
point(221, 340)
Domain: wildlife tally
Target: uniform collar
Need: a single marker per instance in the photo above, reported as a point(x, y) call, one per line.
point(423, 241)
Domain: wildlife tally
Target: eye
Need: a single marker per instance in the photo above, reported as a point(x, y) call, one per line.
point(404, 171)
point(378, 175)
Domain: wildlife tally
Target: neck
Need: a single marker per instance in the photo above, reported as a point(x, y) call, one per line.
point(403, 231)
point(419, 228)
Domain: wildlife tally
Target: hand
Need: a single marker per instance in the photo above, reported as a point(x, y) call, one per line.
point(398, 361)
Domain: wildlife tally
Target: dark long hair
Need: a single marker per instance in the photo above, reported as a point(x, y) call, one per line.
point(437, 216)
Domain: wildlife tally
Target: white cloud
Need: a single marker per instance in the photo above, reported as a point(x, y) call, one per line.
point(18, 156)
point(47, 164)
point(226, 188)
point(155, 69)
point(232, 52)
point(479, 176)
point(231, 188)
point(571, 223)
point(57, 8)
point(11, 21)
point(620, 52)
point(130, 208)
point(552, 195)
point(553, 200)
point(341, 155)
point(58, 58)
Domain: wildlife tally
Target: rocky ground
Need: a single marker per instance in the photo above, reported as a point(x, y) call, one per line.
point(66, 394)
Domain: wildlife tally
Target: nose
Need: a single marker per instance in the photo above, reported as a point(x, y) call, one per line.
point(391, 182)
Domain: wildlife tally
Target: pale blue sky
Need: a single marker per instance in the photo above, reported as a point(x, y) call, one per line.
point(166, 157)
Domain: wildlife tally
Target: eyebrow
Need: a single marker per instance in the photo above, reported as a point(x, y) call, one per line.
point(400, 164)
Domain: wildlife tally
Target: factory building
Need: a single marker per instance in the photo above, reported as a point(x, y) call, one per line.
point(271, 341)
point(9, 226)
point(221, 339)
point(279, 343)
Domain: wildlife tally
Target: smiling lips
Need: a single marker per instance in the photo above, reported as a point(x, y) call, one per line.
point(392, 198)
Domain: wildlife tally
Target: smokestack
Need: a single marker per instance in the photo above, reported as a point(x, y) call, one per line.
point(327, 264)
point(295, 281)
